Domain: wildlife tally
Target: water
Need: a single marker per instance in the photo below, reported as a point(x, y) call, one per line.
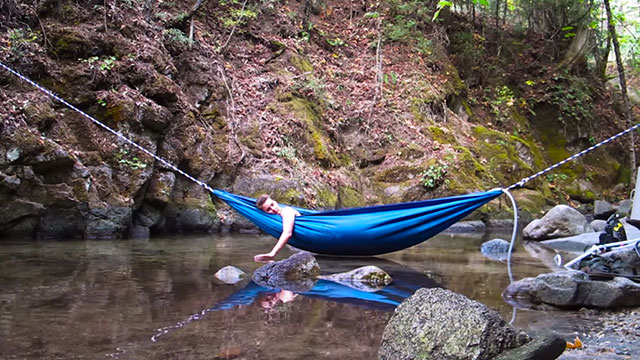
point(112, 299)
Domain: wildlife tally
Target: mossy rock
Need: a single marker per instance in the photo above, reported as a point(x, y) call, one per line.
point(300, 62)
point(398, 174)
point(411, 152)
point(326, 198)
point(314, 136)
point(441, 136)
point(349, 197)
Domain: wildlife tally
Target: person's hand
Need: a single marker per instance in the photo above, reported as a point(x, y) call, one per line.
point(263, 257)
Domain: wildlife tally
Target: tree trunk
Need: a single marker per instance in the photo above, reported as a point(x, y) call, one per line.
point(623, 86)
point(497, 14)
point(602, 59)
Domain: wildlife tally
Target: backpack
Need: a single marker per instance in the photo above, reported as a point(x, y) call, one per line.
point(613, 231)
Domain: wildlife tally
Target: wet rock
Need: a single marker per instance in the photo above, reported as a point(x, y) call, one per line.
point(230, 274)
point(440, 324)
point(366, 278)
point(560, 221)
point(598, 225)
point(496, 249)
point(542, 348)
point(18, 208)
point(572, 289)
point(602, 210)
point(9, 182)
point(296, 273)
point(107, 223)
point(60, 224)
point(579, 243)
point(184, 219)
point(467, 227)
point(160, 188)
point(139, 232)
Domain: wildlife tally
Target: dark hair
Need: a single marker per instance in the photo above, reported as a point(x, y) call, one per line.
point(260, 201)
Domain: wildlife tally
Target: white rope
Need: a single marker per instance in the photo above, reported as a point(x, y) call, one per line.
point(114, 132)
point(513, 233)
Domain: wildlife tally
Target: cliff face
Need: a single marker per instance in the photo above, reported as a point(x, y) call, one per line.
point(320, 104)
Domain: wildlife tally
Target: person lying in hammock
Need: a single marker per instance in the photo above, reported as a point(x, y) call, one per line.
point(270, 206)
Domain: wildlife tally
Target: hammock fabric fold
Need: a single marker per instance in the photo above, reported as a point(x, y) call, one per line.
point(364, 231)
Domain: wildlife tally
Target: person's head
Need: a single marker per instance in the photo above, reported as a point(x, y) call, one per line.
point(267, 204)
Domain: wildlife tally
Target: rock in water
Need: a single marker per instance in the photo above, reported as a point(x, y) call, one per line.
point(496, 249)
point(367, 278)
point(572, 289)
point(296, 273)
point(230, 274)
point(440, 324)
point(560, 221)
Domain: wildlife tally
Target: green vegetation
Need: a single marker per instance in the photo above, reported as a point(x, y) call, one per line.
point(177, 36)
point(133, 162)
point(104, 65)
point(434, 175)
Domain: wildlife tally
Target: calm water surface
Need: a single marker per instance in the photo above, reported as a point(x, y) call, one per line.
point(158, 299)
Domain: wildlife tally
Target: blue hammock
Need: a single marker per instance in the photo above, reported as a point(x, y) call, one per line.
point(364, 231)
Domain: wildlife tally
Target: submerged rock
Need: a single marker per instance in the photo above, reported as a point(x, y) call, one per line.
point(440, 324)
point(296, 273)
point(366, 278)
point(560, 221)
point(230, 274)
point(572, 289)
point(496, 249)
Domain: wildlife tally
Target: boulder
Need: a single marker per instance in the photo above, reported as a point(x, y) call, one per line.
point(572, 289)
point(542, 348)
point(598, 225)
point(366, 278)
point(624, 207)
point(496, 249)
point(440, 324)
point(296, 273)
point(467, 227)
point(602, 210)
point(560, 221)
point(230, 275)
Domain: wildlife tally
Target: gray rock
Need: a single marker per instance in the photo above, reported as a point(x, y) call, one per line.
point(598, 225)
point(296, 273)
point(191, 220)
point(624, 207)
point(440, 324)
point(230, 275)
point(18, 208)
point(9, 182)
point(13, 154)
point(139, 232)
point(366, 278)
point(107, 223)
point(560, 221)
point(580, 242)
point(572, 289)
point(496, 249)
point(467, 227)
point(542, 348)
point(60, 224)
point(602, 209)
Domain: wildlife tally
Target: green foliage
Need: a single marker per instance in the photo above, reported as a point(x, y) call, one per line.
point(238, 17)
point(105, 65)
point(102, 102)
point(434, 175)
point(441, 5)
point(134, 162)
point(287, 152)
point(572, 95)
point(555, 177)
point(502, 101)
point(390, 78)
point(336, 42)
point(177, 36)
point(19, 40)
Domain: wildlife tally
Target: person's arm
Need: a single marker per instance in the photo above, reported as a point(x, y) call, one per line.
point(288, 220)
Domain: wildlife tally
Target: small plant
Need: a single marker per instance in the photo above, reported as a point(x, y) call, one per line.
point(592, 140)
point(372, 15)
point(108, 64)
point(287, 152)
point(105, 65)
point(555, 177)
point(18, 40)
point(102, 102)
point(434, 176)
point(336, 42)
point(177, 36)
point(390, 78)
point(134, 162)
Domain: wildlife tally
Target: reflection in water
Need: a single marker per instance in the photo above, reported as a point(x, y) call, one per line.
point(405, 283)
point(93, 299)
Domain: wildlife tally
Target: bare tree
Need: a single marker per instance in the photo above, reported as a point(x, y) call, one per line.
point(623, 85)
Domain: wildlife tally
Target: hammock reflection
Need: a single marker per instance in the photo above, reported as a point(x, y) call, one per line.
point(405, 282)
